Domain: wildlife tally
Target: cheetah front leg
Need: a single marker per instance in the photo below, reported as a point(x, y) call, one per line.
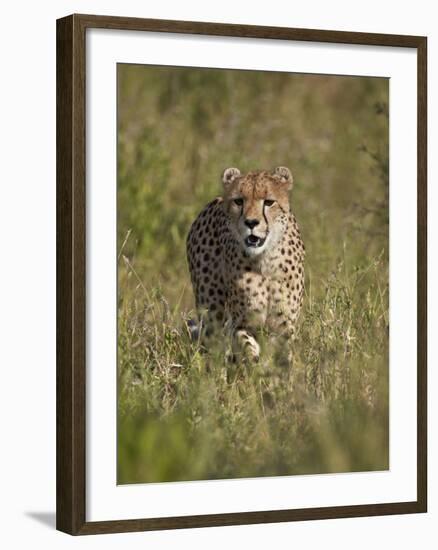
point(246, 343)
point(211, 322)
point(283, 314)
point(247, 304)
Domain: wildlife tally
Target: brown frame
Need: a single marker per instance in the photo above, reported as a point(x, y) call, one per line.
point(71, 266)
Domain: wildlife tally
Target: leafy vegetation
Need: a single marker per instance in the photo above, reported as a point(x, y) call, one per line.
point(184, 414)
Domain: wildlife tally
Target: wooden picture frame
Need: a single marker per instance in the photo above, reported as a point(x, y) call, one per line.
point(71, 273)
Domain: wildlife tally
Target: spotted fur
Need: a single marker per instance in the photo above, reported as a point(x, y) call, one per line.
point(246, 260)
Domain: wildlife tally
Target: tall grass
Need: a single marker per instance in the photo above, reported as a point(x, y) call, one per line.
point(184, 414)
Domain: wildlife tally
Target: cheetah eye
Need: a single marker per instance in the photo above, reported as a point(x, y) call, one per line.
point(269, 202)
point(239, 202)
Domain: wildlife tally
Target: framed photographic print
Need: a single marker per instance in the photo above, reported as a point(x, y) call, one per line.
point(241, 274)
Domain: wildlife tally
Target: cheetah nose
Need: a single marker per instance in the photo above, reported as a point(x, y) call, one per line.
point(251, 223)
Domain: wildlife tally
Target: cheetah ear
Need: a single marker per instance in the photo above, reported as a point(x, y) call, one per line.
point(229, 175)
point(285, 175)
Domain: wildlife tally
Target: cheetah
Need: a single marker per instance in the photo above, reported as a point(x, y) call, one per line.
point(246, 260)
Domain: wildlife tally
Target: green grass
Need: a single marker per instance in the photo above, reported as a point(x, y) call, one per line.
point(184, 414)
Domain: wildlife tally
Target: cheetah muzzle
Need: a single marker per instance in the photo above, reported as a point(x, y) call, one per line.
point(252, 241)
point(246, 260)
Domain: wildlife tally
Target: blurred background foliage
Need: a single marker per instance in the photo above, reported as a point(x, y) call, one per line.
point(186, 415)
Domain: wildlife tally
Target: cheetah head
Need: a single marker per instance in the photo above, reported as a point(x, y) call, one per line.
point(257, 204)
